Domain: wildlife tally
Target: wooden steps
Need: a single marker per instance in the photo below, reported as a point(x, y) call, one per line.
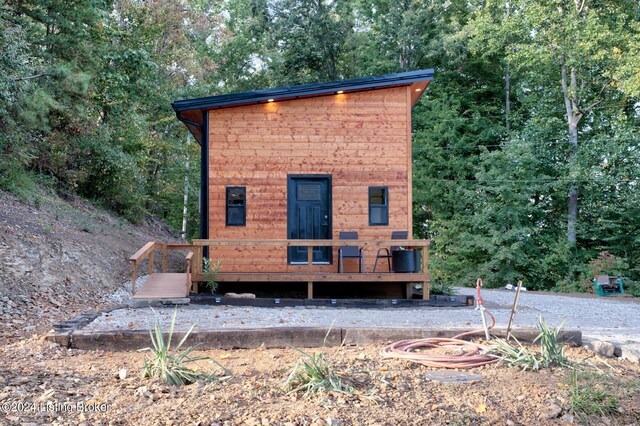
point(163, 285)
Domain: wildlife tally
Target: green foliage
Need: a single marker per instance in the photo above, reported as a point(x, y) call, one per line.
point(310, 36)
point(551, 352)
point(85, 94)
point(170, 365)
point(210, 270)
point(16, 180)
point(631, 287)
point(313, 373)
point(516, 356)
point(441, 288)
point(591, 396)
point(493, 198)
point(111, 177)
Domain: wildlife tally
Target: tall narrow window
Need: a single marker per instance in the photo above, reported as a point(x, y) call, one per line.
point(236, 206)
point(378, 205)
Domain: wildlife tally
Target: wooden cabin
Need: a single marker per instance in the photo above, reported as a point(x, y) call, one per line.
point(304, 162)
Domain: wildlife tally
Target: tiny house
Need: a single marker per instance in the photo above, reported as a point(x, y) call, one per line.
point(304, 162)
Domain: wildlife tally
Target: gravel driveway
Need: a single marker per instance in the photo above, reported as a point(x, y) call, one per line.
point(616, 320)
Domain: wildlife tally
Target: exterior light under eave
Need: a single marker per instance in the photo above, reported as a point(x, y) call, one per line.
point(418, 90)
point(270, 100)
point(340, 92)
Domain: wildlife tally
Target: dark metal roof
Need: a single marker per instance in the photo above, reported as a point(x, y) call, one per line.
point(305, 90)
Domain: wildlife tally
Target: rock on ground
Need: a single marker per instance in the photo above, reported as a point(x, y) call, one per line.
point(601, 348)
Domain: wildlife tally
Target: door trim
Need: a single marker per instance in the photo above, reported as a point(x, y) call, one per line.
point(329, 179)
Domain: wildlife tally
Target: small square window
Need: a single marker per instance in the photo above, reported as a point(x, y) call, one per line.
point(378, 205)
point(236, 206)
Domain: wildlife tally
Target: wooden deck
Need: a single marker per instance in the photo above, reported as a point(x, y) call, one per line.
point(307, 274)
point(165, 285)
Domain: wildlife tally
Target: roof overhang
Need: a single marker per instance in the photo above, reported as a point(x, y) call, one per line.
point(191, 111)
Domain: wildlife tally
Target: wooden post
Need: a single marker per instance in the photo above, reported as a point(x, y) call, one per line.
point(310, 271)
point(133, 278)
point(425, 271)
point(188, 266)
point(164, 258)
point(151, 261)
point(196, 265)
point(408, 291)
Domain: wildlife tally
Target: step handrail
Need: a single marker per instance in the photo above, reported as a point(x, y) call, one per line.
point(148, 250)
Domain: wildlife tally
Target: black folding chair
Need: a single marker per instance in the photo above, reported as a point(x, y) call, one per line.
point(395, 235)
point(350, 252)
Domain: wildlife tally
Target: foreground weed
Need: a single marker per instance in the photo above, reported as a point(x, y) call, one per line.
point(170, 365)
point(516, 356)
point(551, 352)
point(313, 373)
point(589, 396)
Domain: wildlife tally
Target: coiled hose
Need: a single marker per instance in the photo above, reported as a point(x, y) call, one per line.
point(471, 355)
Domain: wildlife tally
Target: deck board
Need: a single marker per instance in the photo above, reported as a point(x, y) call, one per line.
point(163, 286)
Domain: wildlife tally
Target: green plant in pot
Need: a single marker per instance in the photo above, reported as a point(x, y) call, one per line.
point(210, 270)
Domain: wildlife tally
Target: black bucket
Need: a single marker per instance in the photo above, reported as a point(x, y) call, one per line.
point(404, 261)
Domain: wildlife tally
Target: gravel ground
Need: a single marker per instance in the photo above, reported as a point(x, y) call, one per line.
point(614, 320)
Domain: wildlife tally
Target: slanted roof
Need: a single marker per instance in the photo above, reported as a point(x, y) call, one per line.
point(190, 111)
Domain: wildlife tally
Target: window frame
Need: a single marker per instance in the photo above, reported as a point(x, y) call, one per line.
point(244, 206)
point(385, 206)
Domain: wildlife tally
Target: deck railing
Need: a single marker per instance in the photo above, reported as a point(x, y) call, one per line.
point(148, 251)
point(310, 275)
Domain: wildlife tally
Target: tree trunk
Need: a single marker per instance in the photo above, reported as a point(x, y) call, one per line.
point(573, 118)
point(507, 97)
point(183, 234)
point(572, 205)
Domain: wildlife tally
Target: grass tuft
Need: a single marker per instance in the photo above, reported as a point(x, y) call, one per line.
point(170, 365)
point(589, 396)
point(313, 373)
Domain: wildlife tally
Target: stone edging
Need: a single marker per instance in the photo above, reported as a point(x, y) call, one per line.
point(629, 351)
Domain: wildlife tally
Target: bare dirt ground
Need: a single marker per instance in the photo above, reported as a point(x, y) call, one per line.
point(61, 258)
point(389, 392)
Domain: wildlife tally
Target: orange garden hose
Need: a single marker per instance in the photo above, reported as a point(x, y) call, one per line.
point(471, 354)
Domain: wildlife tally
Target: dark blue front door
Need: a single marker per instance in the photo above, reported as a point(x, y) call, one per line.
point(309, 215)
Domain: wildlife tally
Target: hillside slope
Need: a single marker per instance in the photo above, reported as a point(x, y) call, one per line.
point(61, 258)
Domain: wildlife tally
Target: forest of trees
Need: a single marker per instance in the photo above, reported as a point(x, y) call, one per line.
point(526, 144)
